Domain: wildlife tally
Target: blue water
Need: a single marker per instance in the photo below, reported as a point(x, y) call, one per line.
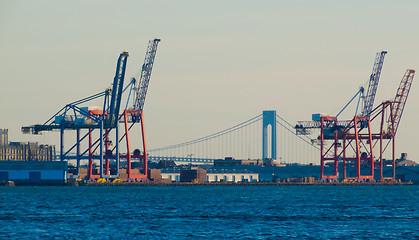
point(210, 212)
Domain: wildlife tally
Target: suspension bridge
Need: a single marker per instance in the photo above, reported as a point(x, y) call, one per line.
point(265, 136)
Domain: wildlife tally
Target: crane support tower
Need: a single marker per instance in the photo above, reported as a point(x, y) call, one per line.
point(373, 84)
point(350, 144)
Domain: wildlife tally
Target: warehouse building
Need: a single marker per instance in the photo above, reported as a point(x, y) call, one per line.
point(33, 172)
point(208, 175)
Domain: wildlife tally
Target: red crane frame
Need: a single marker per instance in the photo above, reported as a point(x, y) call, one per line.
point(358, 133)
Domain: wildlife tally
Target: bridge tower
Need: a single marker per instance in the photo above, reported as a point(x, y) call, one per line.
point(269, 119)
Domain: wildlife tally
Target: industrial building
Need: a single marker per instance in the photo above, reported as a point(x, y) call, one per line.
point(196, 174)
point(232, 177)
point(218, 177)
point(229, 161)
point(209, 175)
point(33, 172)
point(20, 151)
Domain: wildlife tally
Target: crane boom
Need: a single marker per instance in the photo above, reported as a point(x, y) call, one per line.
point(141, 85)
point(373, 84)
point(118, 83)
point(400, 101)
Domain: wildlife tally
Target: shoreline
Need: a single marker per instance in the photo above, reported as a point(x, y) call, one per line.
point(243, 184)
point(75, 184)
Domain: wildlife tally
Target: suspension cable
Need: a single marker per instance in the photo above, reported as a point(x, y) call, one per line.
point(214, 135)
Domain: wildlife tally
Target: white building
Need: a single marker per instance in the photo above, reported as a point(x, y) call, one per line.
point(232, 177)
point(219, 177)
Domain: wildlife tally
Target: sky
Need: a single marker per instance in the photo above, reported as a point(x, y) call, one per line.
point(219, 63)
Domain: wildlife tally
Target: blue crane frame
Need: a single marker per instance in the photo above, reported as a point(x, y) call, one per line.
point(84, 119)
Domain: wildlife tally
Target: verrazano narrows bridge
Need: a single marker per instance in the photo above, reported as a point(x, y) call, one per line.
point(267, 135)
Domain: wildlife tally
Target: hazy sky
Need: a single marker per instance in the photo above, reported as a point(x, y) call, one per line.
point(219, 62)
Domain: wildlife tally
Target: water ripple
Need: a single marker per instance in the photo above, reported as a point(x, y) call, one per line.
point(210, 212)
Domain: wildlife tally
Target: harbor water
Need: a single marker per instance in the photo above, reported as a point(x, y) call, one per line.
point(210, 212)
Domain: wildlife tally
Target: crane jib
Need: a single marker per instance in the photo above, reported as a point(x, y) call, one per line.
point(143, 82)
point(373, 84)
